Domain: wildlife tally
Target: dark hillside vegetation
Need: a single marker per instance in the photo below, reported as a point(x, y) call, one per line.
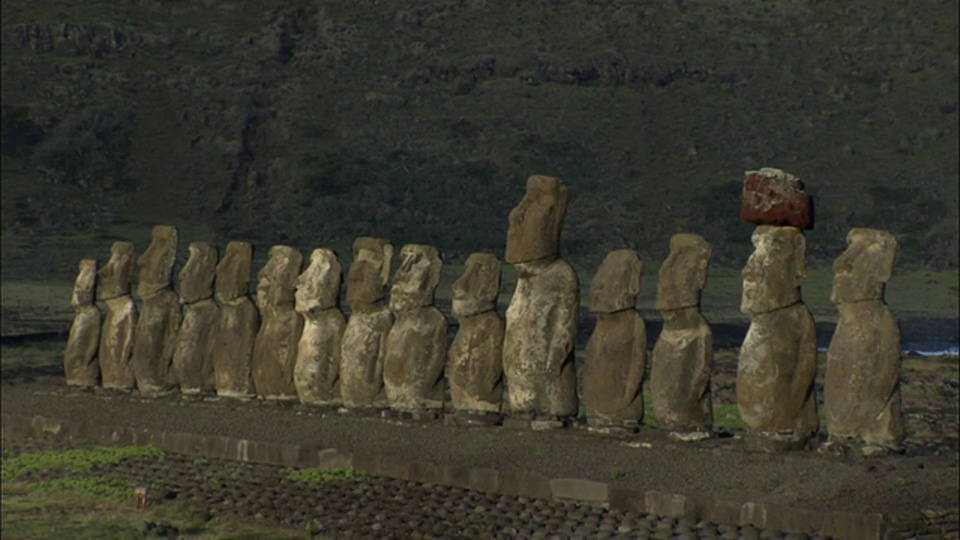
point(311, 123)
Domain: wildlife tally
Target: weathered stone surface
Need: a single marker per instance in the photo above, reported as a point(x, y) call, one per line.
point(116, 343)
point(862, 382)
point(616, 359)
point(159, 318)
point(541, 330)
point(775, 374)
point(115, 276)
point(475, 363)
point(775, 270)
point(683, 355)
point(477, 288)
point(416, 344)
point(361, 356)
point(233, 349)
point(316, 375)
point(416, 348)
point(683, 273)
point(275, 348)
point(193, 353)
point(80, 356)
point(415, 282)
point(197, 275)
point(156, 263)
point(233, 272)
point(680, 374)
point(368, 273)
point(616, 284)
point(534, 230)
point(778, 359)
point(773, 197)
point(156, 337)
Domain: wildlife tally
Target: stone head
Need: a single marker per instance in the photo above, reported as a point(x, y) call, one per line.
point(534, 230)
point(775, 270)
point(85, 287)
point(233, 271)
point(275, 281)
point(156, 263)
point(318, 287)
point(862, 271)
point(477, 289)
point(196, 276)
point(416, 280)
point(683, 273)
point(115, 276)
point(616, 284)
point(369, 271)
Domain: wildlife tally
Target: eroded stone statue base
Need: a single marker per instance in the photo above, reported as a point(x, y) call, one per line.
point(614, 369)
point(80, 357)
point(116, 344)
point(193, 354)
point(316, 375)
point(475, 364)
point(157, 328)
point(415, 355)
point(275, 352)
point(233, 352)
point(361, 358)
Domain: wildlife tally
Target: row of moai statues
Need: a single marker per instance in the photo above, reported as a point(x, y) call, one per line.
point(295, 343)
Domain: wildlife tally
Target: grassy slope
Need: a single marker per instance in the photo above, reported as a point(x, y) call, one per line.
point(420, 123)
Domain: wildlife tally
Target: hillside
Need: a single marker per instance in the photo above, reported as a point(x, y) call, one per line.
point(311, 123)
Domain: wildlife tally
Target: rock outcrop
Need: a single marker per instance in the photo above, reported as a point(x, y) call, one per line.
point(80, 356)
point(416, 344)
point(364, 339)
point(616, 355)
point(861, 388)
point(316, 375)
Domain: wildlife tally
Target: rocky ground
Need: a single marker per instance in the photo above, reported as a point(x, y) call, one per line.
point(347, 506)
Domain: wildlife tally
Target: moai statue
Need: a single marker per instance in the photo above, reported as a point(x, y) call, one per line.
point(541, 327)
point(416, 346)
point(616, 355)
point(119, 326)
point(475, 359)
point(238, 324)
point(363, 346)
point(683, 355)
point(193, 354)
point(862, 383)
point(160, 314)
point(316, 375)
point(778, 359)
point(80, 358)
point(275, 349)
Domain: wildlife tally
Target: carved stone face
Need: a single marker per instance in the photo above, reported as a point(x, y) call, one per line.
point(115, 276)
point(85, 287)
point(775, 271)
point(318, 287)
point(156, 263)
point(617, 282)
point(534, 231)
point(683, 273)
point(477, 289)
point(275, 281)
point(196, 276)
point(369, 271)
point(416, 279)
point(233, 271)
point(862, 271)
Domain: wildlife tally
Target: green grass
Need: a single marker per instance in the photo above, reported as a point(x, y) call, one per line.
point(77, 460)
point(315, 476)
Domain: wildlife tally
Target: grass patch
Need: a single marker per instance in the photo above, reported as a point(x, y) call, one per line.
point(77, 461)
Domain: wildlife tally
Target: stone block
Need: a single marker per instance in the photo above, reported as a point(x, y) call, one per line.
point(774, 197)
point(395, 467)
point(577, 489)
point(487, 480)
point(332, 458)
point(368, 464)
point(672, 505)
point(526, 484)
point(626, 500)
